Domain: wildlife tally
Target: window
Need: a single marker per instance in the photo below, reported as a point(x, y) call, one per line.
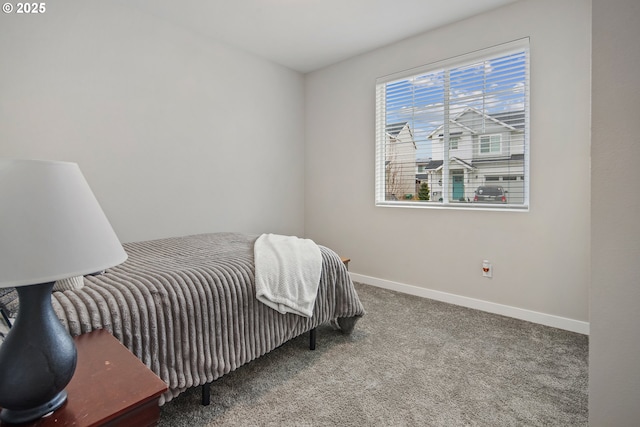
point(446, 129)
point(453, 142)
point(490, 144)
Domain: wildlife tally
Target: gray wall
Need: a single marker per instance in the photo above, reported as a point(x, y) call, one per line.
point(171, 146)
point(176, 134)
point(540, 258)
point(614, 344)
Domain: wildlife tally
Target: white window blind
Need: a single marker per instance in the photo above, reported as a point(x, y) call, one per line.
point(456, 133)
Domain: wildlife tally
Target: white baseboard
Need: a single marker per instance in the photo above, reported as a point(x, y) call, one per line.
point(491, 307)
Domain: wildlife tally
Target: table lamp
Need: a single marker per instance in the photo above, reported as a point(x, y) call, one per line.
point(51, 228)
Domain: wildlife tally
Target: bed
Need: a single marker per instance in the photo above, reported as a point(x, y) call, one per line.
point(187, 307)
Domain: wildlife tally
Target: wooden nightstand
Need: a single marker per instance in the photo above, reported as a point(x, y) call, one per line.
point(345, 261)
point(110, 387)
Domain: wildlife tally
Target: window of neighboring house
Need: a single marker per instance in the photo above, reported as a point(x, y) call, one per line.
point(465, 120)
point(490, 144)
point(453, 142)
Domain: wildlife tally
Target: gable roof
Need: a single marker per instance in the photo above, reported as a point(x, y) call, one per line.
point(431, 164)
point(462, 163)
point(512, 120)
point(393, 129)
point(436, 165)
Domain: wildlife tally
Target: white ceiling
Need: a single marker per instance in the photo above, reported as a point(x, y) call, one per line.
point(306, 35)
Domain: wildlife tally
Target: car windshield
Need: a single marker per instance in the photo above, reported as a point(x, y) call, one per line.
point(490, 191)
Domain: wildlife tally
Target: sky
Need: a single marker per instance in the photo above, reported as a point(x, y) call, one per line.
point(491, 86)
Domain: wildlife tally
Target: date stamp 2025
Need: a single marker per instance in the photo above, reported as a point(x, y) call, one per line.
point(24, 8)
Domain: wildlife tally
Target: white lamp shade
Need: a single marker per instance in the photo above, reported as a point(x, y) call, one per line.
point(51, 225)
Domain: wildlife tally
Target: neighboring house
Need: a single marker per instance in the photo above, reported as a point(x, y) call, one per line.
point(483, 150)
point(400, 162)
point(426, 168)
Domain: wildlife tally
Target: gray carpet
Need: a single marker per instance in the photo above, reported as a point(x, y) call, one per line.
point(410, 362)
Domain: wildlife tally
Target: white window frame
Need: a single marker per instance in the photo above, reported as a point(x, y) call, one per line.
point(505, 49)
point(490, 142)
point(454, 142)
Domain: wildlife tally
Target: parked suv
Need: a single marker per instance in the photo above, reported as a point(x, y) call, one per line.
point(490, 194)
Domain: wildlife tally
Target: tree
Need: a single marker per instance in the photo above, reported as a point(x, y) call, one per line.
point(423, 192)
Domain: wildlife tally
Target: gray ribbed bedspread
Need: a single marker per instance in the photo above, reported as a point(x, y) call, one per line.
point(187, 306)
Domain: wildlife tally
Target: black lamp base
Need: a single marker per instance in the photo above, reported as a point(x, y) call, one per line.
point(37, 359)
point(18, 416)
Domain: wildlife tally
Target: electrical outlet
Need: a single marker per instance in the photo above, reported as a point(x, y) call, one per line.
point(487, 269)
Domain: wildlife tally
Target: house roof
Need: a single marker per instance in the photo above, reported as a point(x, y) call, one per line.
point(462, 162)
point(493, 159)
point(512, 120)
point(431, 164)
point(394, 129)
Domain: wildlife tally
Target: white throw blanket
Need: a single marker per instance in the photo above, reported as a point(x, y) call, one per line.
point(288, 272)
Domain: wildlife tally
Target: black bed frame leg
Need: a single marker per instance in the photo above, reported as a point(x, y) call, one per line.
point(206, 388)
point(206, 394)
point(312, 339)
